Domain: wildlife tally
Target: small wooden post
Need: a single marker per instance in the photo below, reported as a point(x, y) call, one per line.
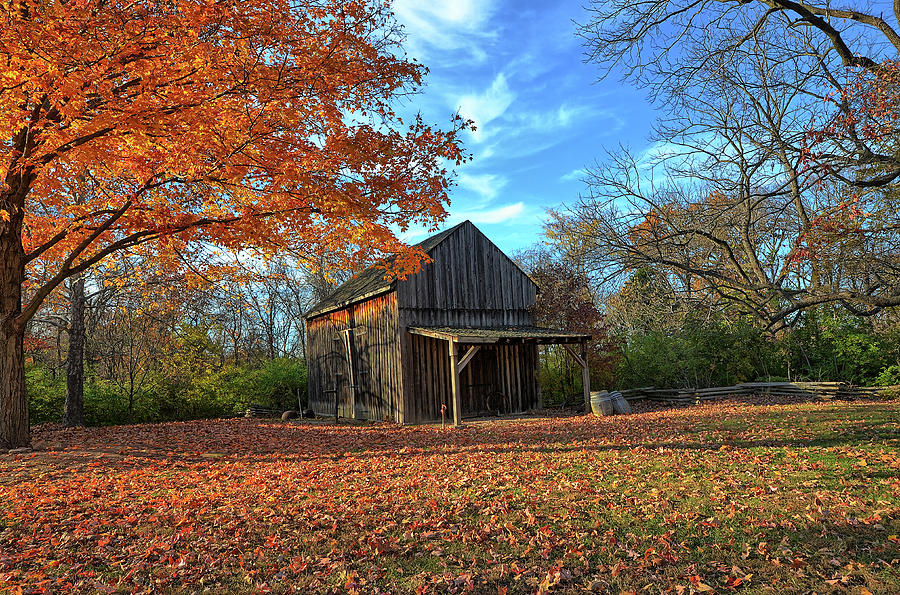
point(454, 385)
point(585, 377)
point(585, 372)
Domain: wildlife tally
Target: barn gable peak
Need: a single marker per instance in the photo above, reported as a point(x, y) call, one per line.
point(371, 281)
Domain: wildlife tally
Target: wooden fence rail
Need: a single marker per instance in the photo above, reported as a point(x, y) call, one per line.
point(822, 390)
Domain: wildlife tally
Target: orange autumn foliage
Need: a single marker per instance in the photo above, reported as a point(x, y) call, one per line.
point(256, 125)
point(241, 123)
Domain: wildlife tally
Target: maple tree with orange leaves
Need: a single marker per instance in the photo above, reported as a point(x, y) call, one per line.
point(248, 126)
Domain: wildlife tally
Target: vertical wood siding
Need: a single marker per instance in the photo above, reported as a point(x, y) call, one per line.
point(471, 283)
point(500, 378)
point(327, 363)
point(376, 359)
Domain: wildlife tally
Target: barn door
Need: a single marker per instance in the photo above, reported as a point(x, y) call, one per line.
point(355, 367)
point(361, 371)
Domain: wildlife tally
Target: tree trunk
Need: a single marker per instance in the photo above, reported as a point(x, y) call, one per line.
point(14, 427)
point(74, 414)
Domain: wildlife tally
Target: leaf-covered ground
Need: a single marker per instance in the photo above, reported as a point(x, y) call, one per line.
point(725, 497)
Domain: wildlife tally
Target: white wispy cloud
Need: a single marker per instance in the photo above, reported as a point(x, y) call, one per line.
point(574, 175)
point(485, 185)
point(486, 106)
point(513, 214)
point(504, 214)
point(516, 132)
point(566, 117)
point(444, 26)
point(657, 152)
point(669, 164)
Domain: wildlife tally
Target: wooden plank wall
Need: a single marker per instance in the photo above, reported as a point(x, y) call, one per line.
point(376, 356)
point(473, 283)
point(327, 364)
point(469, 282)
point(380, 393)
point(499, 379)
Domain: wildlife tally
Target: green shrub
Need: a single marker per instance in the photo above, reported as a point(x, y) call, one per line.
point(889, 376)
point(232, 389)
point(279, 381)
point(46, 394)
point(701, 354)
point(718, 352)
point(838, 347)
point(180, 395)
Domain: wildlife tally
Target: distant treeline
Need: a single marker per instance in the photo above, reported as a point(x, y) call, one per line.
point(160, 345)
point(172, 394)
point(647, 333)
point(718, 352)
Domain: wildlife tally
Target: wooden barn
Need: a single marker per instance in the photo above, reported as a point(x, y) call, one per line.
point(455, 338)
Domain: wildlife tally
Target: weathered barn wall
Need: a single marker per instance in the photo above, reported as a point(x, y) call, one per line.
point(499, 379)
point(326, 363)
point(376, 359)
point(472, 283)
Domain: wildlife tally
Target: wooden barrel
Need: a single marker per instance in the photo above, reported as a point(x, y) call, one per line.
point(619, 404)
point(601, 403)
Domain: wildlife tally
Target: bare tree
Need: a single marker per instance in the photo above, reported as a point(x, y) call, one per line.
point(276, 300)
point(731, 202)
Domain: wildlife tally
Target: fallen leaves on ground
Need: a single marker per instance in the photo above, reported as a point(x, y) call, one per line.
point(723, 497)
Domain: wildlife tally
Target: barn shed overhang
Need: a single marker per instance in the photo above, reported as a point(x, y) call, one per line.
point(524, 334)
point(474, 339)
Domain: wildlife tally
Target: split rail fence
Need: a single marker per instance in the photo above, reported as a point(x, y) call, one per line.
point(811, 390)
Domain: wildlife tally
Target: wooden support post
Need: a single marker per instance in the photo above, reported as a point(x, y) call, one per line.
point(585, 378)
point(585, 372)
point(351, 372)
point(457, 365)
point(454, 384)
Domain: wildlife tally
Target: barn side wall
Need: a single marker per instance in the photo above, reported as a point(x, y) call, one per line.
point(376, 359)
point(473, 283)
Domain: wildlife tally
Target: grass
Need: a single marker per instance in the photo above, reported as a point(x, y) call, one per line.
point(724, 497)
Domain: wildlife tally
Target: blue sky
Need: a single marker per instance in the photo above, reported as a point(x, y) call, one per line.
point(516, 68)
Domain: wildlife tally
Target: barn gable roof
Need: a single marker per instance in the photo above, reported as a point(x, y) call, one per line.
point(371, 281)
